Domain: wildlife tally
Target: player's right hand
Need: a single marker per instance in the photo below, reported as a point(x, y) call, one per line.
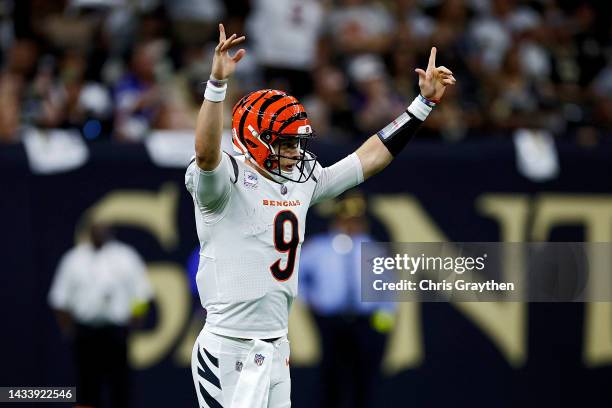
point(224, 64)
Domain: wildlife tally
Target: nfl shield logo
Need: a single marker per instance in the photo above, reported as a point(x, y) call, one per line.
point(259, 359)
point(250, 179)
point(239, 366)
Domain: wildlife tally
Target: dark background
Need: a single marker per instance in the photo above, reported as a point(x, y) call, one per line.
point(461, 367)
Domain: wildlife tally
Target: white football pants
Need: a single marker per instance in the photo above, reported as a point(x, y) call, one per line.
point(237, 373)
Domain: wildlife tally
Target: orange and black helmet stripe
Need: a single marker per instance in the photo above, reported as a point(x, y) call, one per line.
point(278, 112)
point(298, 116)
point(272, 111)
point(265, 106)
point(244, 117)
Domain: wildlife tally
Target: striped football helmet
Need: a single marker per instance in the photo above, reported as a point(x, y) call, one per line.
point(261, 121)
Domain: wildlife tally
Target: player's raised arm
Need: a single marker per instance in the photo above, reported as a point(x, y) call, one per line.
point(209, 126)
point(378, 151)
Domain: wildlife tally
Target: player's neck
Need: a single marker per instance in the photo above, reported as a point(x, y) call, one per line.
point(259, 170)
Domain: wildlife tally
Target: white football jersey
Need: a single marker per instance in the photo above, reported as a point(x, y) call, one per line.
point(251, 230)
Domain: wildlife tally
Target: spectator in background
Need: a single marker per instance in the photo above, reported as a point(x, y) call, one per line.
point(352, 331)
point(29, 80)
point(99, 290)
point(329, 106)
point(578, 56)
point(21, 58)
point(137, 95)
point(556, 50)
point(179, 108)
point(402, 60)
point(591, 37)
point(285, 36)
point(515, 97)
point(87, 104)
point(490, 37)
point(72, 77)
point(194, 21)
point(360, 27)
point(19, 66)
point(376, 103)
point(443, 24)
point(43, 101)
point(10, 107)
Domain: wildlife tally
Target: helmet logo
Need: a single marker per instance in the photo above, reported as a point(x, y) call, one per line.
point(306, 129)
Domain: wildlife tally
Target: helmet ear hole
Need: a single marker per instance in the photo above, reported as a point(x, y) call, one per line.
point(266, 136)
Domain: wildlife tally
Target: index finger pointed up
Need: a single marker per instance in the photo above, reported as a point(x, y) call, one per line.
point(221, 33)
point(432, 58)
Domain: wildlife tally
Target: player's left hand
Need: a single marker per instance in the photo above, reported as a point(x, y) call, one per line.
point(434, 80)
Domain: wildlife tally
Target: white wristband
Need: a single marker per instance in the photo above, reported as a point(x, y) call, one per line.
point(215, 93)
point(419, 109)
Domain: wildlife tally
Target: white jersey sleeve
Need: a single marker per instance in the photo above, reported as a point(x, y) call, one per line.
point(211, 189)
point(337, 178)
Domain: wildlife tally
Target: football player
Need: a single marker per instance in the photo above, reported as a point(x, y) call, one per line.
point(250, 215)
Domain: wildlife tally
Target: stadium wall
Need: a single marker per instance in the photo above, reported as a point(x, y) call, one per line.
point(476, 355)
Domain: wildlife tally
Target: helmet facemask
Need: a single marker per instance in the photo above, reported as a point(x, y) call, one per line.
point(288, 148)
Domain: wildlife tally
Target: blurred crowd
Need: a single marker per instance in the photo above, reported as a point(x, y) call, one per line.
point(117, 69)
